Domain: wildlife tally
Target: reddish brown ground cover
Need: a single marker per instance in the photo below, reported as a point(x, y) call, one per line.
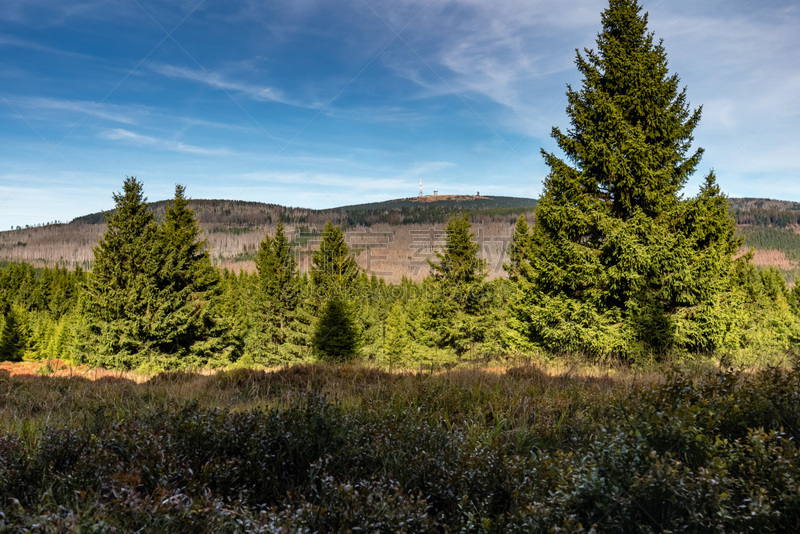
point(55, 368)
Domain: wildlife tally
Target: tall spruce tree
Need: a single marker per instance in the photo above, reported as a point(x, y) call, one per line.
point(460, 270)
point(121, 298)
point(337, 335)
point(280, 300)
point(334, 270)
point(277, 270)
point(617, 262)
point(151, 296)
point(454, 313)
point(189, 327)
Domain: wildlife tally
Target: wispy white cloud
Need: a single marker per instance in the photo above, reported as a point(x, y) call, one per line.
point(119, 134)
point(10, 40)
point(261, 93)
point(48, 109)
point(381, 114)
point(748, 57)
point(328, 183)
point(501, 52)
point(42, 108)
point(44, 13)
point(520, 54)
point(428, 167)
point(350, 185)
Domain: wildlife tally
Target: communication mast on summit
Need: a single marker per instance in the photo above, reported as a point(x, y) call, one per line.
point(420, 186)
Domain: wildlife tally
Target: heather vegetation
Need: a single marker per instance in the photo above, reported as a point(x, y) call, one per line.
point(346, 449)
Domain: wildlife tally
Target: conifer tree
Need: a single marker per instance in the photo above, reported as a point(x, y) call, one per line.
point(396, 341)
point(188, 326)
point(616, 259)
point(337, 335)
point(63, 339)
point(236, 305)
point(518, 249)
point(454, 313)
point(280, 300)
point(334, 270)
point(297, 345)
point(152, 294)
point(277, 270)
point(15, 335)
point(458, 262)
point(121, 297)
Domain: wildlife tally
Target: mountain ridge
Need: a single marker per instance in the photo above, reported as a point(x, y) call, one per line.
point(233, 230)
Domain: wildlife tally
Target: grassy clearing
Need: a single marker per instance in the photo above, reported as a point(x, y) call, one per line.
point(342, 448)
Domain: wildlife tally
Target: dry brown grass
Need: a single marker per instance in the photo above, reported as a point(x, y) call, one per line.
point(61, 369)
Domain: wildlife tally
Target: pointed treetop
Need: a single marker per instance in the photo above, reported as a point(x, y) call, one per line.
point(631, 127)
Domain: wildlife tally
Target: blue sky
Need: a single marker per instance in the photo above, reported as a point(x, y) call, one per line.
point(316, 103)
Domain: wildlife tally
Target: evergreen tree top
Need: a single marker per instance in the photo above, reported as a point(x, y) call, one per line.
point(333, 266)
point(518, 248)
point(631, 128)
point(459, 261)
point(125, 247)
point(131, 213)
point(180, 230)
point(179, 218)
point(276, 264)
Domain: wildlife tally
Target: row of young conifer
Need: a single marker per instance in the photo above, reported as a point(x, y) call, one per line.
point(154, 301)
point(617, 264)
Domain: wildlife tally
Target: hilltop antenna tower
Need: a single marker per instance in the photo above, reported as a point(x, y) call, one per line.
point(420, 186)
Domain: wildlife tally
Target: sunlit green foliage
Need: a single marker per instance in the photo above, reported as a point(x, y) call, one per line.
point(334, 269)
point(150, 299)
point(15, 334)
point(618, 263)
point(279, 304)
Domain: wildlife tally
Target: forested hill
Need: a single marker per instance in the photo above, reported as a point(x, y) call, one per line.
point(765, 212)
point(433, 209)
point(234, 228)
point(772, 229)
point(426, 209)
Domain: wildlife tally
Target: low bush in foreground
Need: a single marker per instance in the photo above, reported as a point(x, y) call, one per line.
point(338, 449)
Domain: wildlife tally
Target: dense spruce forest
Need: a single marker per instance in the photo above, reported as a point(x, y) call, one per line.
point(188, 313)
point(620, 361)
